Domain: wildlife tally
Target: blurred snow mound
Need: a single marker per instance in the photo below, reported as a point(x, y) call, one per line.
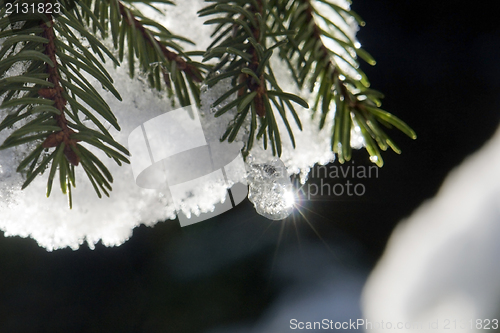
point(442, 264)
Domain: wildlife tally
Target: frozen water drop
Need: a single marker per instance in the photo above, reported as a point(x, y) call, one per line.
point(270, 189)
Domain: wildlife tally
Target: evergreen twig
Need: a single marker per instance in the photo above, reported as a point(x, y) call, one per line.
point(52, 107)
point(47, 99)
point(310, 59)
point(241, 48)
point(170, 57)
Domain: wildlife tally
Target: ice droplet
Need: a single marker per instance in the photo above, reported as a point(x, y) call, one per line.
point(270, 189)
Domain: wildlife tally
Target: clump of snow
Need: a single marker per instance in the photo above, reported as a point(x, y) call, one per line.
point(51, 223)
point(213, 126)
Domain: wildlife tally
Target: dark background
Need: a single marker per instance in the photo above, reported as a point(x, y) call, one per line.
point(438, 67)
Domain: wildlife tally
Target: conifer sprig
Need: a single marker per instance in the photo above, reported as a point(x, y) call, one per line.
point(240, 45)
point(154, 46)
point(333, 73)
point(50, 105)
point(48, 100)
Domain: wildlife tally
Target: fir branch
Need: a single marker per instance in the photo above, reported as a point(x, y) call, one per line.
point(48, 99)
point(310, 59)
point(55, 94)
point(243, 54)
point(164, 61)
point(185, 66)
point(45, 99)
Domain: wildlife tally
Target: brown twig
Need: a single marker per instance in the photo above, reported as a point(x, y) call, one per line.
point(326, 54)
point(251, 84)
point(189, 69)
point(55, 94)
